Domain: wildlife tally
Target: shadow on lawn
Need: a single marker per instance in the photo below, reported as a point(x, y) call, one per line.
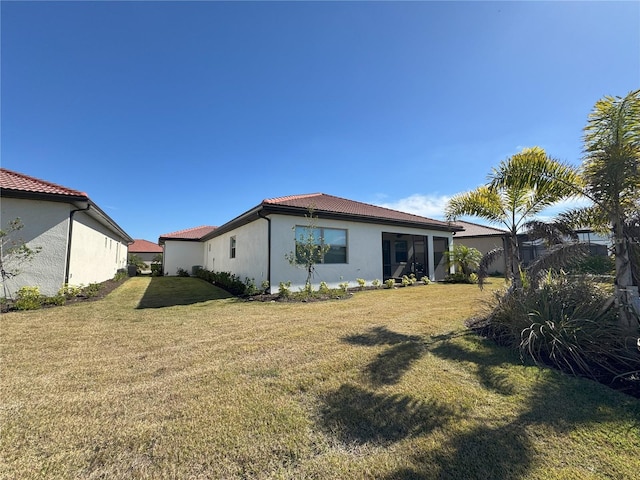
point(499, 450)
point(391, 364)
point(356, 415)
point(171, 291)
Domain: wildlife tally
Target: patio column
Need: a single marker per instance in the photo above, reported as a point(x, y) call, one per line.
point(432, 267)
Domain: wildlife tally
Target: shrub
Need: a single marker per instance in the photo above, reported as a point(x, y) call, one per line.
point(376, 283)
point(324, 288)
point(406, 281)
point(426, 280)
point(265, 286)
point(250, 286)
point(457, 278)
point(120, 275)
point(284, 289)
point(70, 291)
point(343, 286)
point(181, 272)
point(390, 283)
point(91, 290)
point(361, 282)
point(570, 324)
point(595, 265)
point(156, 270)
point(56, 300)
point(28, 298)
point(227, 281)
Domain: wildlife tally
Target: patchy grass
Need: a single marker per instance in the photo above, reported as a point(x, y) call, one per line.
point(174, 379)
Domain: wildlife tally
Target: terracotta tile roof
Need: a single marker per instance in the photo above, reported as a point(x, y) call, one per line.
point(14, 181)
point(195, 233)
point(476, 230)
point(322, 202)
point(144, 246)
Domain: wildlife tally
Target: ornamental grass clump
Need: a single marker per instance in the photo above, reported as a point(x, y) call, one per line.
point(567, 323)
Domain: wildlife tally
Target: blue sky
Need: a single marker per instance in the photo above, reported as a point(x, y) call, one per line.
point(172, 115)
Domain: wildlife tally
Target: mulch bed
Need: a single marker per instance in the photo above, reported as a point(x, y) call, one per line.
point(105, 288)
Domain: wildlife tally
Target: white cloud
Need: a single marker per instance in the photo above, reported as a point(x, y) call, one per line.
point(550, 213)
point(431, 206)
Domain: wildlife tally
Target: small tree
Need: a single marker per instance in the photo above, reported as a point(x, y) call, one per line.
point(134, 259)
point(465, 259)
point(14, 252)
point(310, 248)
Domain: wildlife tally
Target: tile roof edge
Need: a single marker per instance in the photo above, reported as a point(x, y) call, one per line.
point(75, 193)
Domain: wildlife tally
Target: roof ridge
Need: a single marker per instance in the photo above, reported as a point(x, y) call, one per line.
point(45, 182)
point(374, 211)
point(185, 230)
point(481, 225)
point(386, 208)
point(292, 197)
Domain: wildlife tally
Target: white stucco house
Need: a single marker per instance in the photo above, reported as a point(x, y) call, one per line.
point(183, 249)
point(78, 243)
point(366, 241)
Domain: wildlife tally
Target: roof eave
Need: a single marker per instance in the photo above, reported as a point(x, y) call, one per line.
point(268, 209)
point(50, 197)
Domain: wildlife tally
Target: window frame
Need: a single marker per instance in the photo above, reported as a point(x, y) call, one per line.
point(233, 244)
point(305, 228)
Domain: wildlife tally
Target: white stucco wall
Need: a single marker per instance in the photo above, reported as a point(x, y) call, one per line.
point(45, 226)
point(364, 252)
point(96, 252)
point(182, 254)
point(251, 252)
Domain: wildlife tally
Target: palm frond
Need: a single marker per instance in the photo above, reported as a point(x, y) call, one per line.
point(612, 150)
point(481, 202)
point(556, 257)
point(592, 217)
point(486, 260)
point(551, 232)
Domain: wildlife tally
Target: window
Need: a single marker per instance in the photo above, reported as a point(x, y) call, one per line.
point(232, 247)
point(334, 238)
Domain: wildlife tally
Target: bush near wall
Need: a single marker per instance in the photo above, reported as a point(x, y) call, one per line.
point(225, 280)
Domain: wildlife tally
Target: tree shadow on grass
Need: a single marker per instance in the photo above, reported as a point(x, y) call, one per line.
point(505, 451)
point(392, 363)
point(485, 358)
point(355, 415)
point(172, 291)
point(496, 453)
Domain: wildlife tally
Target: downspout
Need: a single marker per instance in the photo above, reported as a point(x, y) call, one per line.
point(71, 214)
point(268, 247)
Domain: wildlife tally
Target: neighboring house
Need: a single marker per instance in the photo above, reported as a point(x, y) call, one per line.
point(366, 241)
point(599, 245)
point(183, 249)
point(484, 239)
point(79, 243)
point(145, 249)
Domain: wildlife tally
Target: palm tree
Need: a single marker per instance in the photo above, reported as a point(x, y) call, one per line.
point(521, 187)
point(463, 258)
point(611, 171)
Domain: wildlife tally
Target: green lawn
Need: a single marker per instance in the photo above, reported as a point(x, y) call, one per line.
point(171, 378)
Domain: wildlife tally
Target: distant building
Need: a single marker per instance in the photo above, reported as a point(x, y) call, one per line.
point(145, 249)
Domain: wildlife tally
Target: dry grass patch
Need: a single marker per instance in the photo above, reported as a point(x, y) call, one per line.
point(387, 384)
